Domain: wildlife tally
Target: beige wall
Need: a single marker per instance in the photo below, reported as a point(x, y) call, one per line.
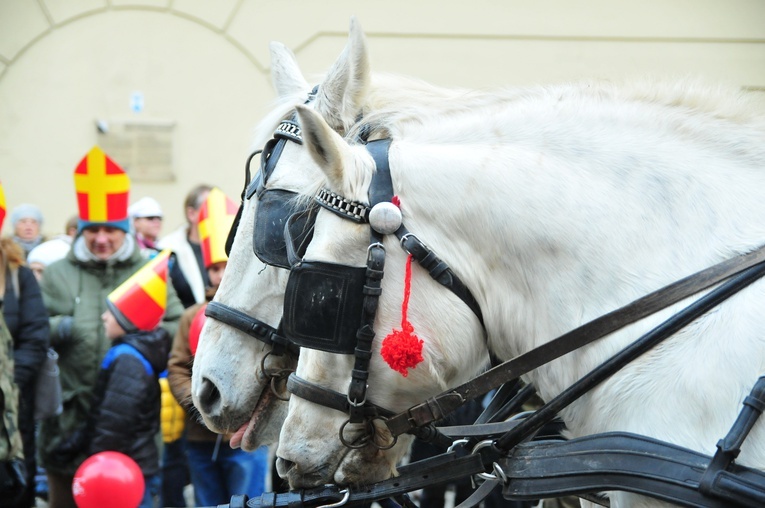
point(203, 65)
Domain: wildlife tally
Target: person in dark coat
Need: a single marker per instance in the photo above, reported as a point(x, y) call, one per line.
point(27, 321)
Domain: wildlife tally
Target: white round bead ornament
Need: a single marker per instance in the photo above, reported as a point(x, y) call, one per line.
point(385, 218)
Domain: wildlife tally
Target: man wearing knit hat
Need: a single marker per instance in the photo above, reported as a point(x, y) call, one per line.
point(27, 221)
point(103, 256)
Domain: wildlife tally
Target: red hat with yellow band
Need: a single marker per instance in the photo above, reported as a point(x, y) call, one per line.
point(216, 215)
point(139, 303)
point(102, 192)
point(2, 205)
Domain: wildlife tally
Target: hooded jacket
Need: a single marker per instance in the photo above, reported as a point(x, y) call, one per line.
point(126, 403)
point(74, 291)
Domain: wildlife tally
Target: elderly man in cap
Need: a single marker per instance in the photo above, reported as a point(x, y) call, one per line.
point(27, 221)
point(75, 288)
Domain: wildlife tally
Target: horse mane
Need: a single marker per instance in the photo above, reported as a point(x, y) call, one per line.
point(397, 106)
point(398, 103)
point(700, 97)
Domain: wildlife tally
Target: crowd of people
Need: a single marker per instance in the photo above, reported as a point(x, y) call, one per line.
point(120, 306)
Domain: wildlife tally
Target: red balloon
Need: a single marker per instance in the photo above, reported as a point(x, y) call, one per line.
point(108, 479)
point(195, 328)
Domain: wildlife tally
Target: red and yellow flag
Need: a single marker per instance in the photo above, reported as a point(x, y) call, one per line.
point(142, 298)
point(102, 188)
point(215, 219)
point(2, 205)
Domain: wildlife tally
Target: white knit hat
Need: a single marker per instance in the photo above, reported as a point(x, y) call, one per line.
point(48, 252)
point(145, 207)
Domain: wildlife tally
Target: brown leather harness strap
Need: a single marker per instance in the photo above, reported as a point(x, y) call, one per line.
point(441, 405)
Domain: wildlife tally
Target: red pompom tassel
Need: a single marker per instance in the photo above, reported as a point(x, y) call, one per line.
point(401, 349)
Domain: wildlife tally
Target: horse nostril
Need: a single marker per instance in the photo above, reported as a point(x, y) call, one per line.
point(283, 467)
point(209, 396)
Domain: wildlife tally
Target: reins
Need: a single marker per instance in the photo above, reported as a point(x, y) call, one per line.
point(528, 463)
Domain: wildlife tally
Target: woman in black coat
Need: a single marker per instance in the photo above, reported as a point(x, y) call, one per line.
point(27, 320)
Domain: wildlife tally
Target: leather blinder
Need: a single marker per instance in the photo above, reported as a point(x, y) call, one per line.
point(321, 306)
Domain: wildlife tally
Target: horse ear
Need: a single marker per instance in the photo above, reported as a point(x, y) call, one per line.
point(323, 143)
point(285, 73)
point(344, 89)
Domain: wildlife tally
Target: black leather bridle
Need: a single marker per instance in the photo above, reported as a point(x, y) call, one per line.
point(343, 320)
point(274, 207)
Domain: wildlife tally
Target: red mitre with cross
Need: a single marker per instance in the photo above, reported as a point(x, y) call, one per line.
point(102, 192)
point(215, 219)
point(139, 303)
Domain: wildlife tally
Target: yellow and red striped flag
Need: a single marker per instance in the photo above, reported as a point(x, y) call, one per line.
point(215, 219)
point(141, 300)
point(2, 205)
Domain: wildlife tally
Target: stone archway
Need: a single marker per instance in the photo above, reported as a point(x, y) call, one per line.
point(69, 73)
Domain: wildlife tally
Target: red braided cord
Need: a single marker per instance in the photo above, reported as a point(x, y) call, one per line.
point(407, 290)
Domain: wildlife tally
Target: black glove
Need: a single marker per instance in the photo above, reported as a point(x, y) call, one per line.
point(13, 480)
point(70, 447)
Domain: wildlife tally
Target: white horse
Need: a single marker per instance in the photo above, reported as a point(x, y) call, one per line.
point(228, 386)
point(554, 205)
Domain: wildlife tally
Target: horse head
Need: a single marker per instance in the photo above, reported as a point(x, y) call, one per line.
point(234, 377)
point(321, 444)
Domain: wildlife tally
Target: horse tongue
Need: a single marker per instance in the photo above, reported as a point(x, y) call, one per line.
point(266, 399)
point(236, 438)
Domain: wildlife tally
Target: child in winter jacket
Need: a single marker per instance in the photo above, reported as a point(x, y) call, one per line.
point(124, 415)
